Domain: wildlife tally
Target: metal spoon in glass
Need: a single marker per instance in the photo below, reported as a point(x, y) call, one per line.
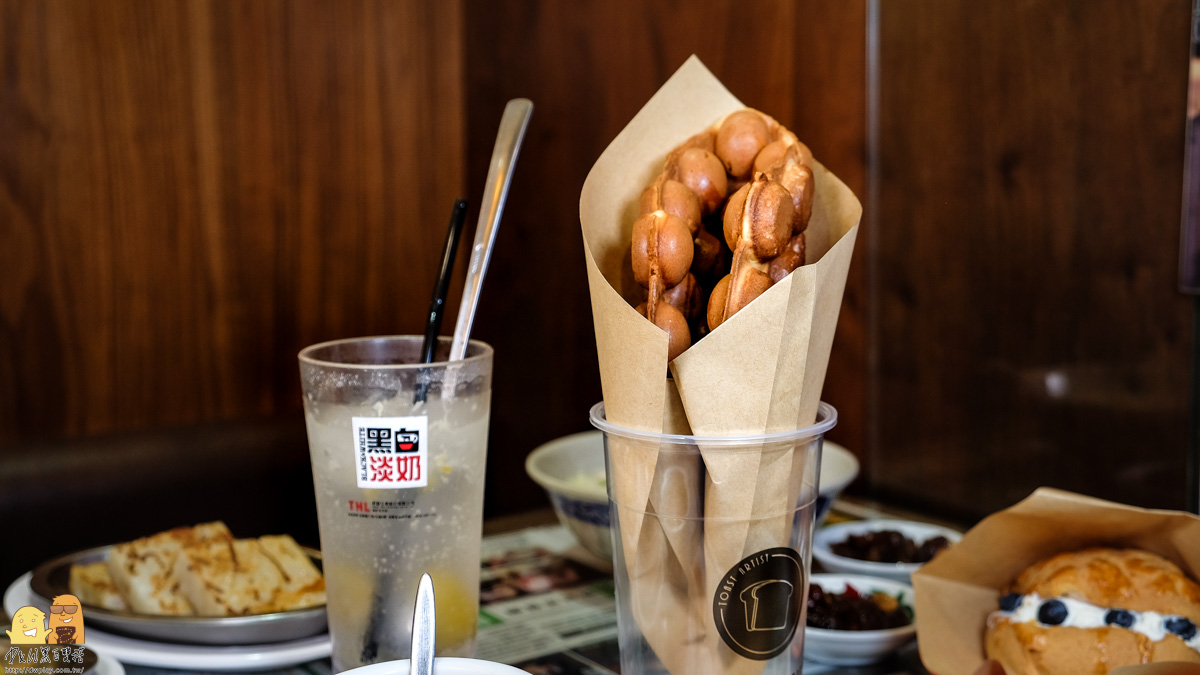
point(504, 159)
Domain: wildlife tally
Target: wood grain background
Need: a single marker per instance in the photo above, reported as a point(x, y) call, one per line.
point(192, 191)
point(197, 189)
point(1025, 313)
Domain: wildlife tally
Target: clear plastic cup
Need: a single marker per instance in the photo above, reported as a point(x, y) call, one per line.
point(712, 544)
point(398, 452)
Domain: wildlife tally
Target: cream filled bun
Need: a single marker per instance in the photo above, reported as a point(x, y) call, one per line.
point(1093, 611)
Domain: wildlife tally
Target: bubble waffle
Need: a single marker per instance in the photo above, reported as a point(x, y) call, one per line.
point(747, 176)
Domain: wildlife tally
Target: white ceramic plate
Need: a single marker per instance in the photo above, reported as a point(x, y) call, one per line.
point(902, 572)
point(192, 657)
point(107, 665)
point(858, 647)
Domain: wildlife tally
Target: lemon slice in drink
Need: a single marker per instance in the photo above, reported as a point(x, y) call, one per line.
point(456, 617)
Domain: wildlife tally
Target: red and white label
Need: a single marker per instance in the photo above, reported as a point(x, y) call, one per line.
point(391, 452)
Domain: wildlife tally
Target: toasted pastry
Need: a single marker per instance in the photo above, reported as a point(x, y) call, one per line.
point(1093, 611)
point(228, 578)
point(303, 585)
point(93, 585)
point(143, 570)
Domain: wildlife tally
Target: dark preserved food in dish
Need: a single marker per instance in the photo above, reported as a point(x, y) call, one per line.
point(889, 546)
point(851, 610)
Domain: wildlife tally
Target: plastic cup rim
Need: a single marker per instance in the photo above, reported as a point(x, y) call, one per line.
point(826, 420)
point(305, 357)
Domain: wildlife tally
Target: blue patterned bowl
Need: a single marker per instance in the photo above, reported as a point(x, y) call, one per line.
point(571, 469)
point(839, 468)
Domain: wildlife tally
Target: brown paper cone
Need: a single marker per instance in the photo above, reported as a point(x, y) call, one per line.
point(761, 371)
point(658, 497)
point(955, 593)
point(663, 594)
point(676, 499)
point(641, 483)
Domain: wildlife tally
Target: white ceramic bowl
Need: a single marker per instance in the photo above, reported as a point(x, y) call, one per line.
point(571, 470)
point(445, 665)
point(918, 532)
point(839, 468)
point(858, 647)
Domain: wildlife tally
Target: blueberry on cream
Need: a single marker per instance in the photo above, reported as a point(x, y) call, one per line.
point(1180, 626)
point(1010, 602)
point(1119, 617)
point(1052, 612)
point(1071, 613)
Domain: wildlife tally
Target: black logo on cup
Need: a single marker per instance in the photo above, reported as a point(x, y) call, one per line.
point(757, 605)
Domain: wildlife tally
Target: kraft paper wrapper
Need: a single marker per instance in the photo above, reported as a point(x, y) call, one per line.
point(956, 592)
point(761, 371)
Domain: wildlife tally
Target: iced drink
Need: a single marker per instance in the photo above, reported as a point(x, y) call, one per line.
point(398, 456)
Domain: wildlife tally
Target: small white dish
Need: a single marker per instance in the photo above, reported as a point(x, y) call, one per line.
point(858, 647)
point(445, 665)
point(571, 470)
point(141, 652)
point(919, 533)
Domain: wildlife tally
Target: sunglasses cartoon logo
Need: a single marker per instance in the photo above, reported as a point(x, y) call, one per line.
point(29, 626)
point(66, 621)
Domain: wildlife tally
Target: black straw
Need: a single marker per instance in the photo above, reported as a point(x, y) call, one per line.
point(433, 326)
point(437, 306)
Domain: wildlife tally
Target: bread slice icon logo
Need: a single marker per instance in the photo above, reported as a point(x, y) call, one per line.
point(757, 607)
point(767, 604)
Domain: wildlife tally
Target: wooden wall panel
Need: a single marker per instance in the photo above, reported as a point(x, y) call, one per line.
point(589, 67)
point(196, 190)
point(190, 192)
point(1026, 316)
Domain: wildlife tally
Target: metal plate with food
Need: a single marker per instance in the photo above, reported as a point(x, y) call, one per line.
point(52, 579)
